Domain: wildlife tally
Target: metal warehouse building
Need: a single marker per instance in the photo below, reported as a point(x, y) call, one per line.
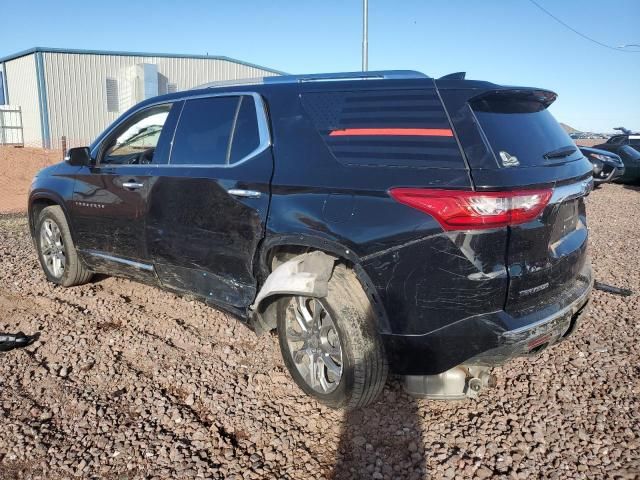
point(49, 93)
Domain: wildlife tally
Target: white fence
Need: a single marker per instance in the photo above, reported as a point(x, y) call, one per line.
point(11, 125)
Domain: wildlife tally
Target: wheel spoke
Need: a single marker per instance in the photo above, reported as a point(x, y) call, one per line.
point(294, 336)
point(330, 350)
point(332, 367)
point(303, 315)
point(298, 355)
point(48, 231)
point(314, 344)
point(317, 313)
point(57, 236)
point(324, 383)
point(313, 371)
point(52, 248)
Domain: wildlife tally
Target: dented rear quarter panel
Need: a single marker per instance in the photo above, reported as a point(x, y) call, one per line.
point(422, 277)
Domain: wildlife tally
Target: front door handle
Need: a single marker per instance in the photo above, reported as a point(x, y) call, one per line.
point(132, 185)
point(238, 192)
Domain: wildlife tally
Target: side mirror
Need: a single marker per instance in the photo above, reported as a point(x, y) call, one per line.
point(78, 157)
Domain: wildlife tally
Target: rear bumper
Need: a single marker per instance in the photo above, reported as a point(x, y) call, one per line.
point(490, 339)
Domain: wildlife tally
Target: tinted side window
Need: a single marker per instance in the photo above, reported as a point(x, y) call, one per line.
point(204, 130)
point(635, 141)
point(246, 137)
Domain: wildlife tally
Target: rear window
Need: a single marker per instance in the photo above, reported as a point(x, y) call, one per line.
point(520, 126)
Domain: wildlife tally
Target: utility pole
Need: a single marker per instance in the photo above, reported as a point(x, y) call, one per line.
point(365, 35)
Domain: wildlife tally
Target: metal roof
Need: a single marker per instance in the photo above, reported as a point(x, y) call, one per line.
point(133, 54)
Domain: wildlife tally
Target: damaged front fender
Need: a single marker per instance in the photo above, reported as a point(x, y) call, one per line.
point(307, 274)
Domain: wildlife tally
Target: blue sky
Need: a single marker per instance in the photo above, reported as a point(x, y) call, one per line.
point(508, 41)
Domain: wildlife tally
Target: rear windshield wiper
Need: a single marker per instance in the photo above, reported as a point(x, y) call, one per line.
point(560, 152)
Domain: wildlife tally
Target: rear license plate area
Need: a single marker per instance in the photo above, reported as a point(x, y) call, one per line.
point(566, 220)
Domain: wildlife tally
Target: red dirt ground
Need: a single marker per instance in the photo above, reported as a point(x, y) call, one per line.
point(17, 168)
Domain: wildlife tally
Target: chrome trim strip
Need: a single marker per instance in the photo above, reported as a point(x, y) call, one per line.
point(571, 191)
point(238, 192)
point(124, 261)
point(133, 185)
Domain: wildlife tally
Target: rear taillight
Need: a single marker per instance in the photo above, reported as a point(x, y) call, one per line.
point(465, 210)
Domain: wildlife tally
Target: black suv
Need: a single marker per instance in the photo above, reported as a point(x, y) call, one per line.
point(380, 220)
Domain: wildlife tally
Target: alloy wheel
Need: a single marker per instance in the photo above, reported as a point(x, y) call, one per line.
point(314, 344)
point(52, 248)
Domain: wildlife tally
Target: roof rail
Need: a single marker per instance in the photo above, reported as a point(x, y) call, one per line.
point(324, 77)
point(319, 77)
point(232, 83)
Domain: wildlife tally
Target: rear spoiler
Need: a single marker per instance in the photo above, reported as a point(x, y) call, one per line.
point(476, 91)
point(514, 95)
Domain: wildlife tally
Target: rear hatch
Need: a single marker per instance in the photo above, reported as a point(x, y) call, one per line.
point(512, 142)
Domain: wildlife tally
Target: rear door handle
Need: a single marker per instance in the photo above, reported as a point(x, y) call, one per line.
point(238, 192)
point(132, 185)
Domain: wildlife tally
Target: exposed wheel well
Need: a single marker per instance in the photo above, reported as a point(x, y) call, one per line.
point(37, 206)
point(282, 253)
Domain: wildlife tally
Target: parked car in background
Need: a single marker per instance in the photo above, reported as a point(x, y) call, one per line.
point(436, 227)
point(627, 146)
point(607, 166)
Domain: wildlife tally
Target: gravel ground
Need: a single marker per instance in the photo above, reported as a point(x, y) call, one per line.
point(128, 382)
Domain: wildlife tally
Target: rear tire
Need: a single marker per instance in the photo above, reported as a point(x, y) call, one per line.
point(56, 251)
point(347, 329)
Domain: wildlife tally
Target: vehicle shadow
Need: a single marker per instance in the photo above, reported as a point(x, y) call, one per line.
point(632, 186)
point(383, 440)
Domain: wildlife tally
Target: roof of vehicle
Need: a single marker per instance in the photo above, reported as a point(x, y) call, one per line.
point(319, 77)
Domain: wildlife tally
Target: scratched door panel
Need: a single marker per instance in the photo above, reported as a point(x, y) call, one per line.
point(208, 208)
point(110, 197)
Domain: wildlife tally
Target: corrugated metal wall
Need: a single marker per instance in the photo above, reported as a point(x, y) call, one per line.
point(77, 93)
point(22, 87)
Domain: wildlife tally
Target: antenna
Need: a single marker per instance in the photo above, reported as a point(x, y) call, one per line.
point(365, 35)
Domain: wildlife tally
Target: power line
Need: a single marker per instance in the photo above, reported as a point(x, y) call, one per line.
point(617, 49)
